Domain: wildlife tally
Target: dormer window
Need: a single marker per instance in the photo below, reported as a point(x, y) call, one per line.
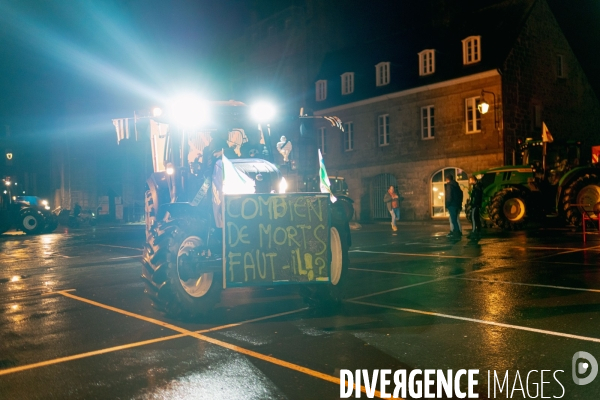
point(426, 62)
point(383, 73)
point(348, 83)
point(471, 50)
point(321, 88)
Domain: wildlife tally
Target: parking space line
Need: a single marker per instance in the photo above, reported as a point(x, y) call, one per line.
point(567, 252)
point(137, 344)
point(119, 247)
point(407, 254)
point(398, 288)
point(529, 284)
point(238, 349)
point(389, 272)
point(121, 258)
point(88, 354)
point(484, 322)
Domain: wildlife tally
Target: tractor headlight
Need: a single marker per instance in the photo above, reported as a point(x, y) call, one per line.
point(283, 185)
point(44, 202)
point(189, 110)
point(170, 169)
point(262, 112)
point(46, 207)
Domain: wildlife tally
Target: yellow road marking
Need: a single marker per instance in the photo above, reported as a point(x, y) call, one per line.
point(185, 332)
point(136, 344)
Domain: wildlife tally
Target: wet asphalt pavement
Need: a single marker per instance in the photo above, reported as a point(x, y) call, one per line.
point(75, 323)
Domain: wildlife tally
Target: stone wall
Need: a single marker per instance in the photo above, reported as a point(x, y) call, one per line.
point(408, 157)
point(568, 105)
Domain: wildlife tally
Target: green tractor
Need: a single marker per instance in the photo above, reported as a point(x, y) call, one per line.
point(550, 182)
point(29, 214)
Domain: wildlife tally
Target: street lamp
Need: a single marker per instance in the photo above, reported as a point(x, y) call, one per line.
point(484, 107)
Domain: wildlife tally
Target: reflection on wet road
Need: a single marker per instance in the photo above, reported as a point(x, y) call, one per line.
point(75, 323)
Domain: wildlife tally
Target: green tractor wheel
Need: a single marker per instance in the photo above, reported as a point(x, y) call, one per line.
point(584, 191)
point(508, 209)
point(172, 269)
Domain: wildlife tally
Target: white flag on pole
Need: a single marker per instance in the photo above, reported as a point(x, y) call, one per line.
point(122, 128)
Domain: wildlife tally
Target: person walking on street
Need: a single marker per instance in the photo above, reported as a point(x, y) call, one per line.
point(392, 202)
point(475, 200)
point(453, 198)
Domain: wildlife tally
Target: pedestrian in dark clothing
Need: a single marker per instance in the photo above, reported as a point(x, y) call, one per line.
point(475, 201)
point(453, 197)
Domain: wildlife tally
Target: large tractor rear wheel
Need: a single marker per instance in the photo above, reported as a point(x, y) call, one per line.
point(332, 295)
point(172, 269)
point(583, 190)
point(508, 209)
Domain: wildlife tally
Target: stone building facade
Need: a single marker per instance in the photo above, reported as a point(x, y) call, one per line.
point(421, 123)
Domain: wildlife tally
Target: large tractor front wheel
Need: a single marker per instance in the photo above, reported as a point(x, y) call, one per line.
point(32, 222)
point(331, 295)
point(508, 209)
point(172, 269)
point(580, 197)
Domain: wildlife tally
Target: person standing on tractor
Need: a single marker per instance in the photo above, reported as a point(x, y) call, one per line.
point(392, 202)
point(453, 199)
point(475, 201)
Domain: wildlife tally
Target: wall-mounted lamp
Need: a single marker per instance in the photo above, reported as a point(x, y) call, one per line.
point(484, 107)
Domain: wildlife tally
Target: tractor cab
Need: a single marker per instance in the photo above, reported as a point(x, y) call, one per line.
point(559, 158)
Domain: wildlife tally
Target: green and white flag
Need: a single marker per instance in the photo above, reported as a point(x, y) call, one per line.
point(324, 183)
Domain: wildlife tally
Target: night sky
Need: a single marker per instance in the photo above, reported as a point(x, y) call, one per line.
point(69, 65)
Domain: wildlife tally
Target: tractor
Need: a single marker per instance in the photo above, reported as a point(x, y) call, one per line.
point(550, 182)
point(218, 215)
point(29, 214)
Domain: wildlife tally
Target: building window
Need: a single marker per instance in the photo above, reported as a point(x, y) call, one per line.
point(427, 122)
point(383, 73)
point(348, 83)
point(383, 129)
point(560, 67)
point(321, 88)
point(438, 205)
point(471, 50)
point(426, 62)
point(349, 136)
point(473, 116)
point(322, 140)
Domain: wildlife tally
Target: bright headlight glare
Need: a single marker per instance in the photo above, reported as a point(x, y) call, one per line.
point(262, 112)
point(170, 169)
point(157, 111)
point(44, 202)
point(283, 185)
point(46, 207)
point(189, 110)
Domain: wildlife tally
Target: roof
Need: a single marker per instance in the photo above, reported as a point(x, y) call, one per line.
point(498, 26)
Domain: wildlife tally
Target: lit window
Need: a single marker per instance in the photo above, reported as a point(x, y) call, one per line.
point(560, 67)
point(471, 50)
point(321, 88)
point(427, 122)
point(438, 204)
point(348, 83)
point(322, 142)
point(426, 62)
point(349, 136)
point(383, 129)
point(383, 73)
point(473, 117)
